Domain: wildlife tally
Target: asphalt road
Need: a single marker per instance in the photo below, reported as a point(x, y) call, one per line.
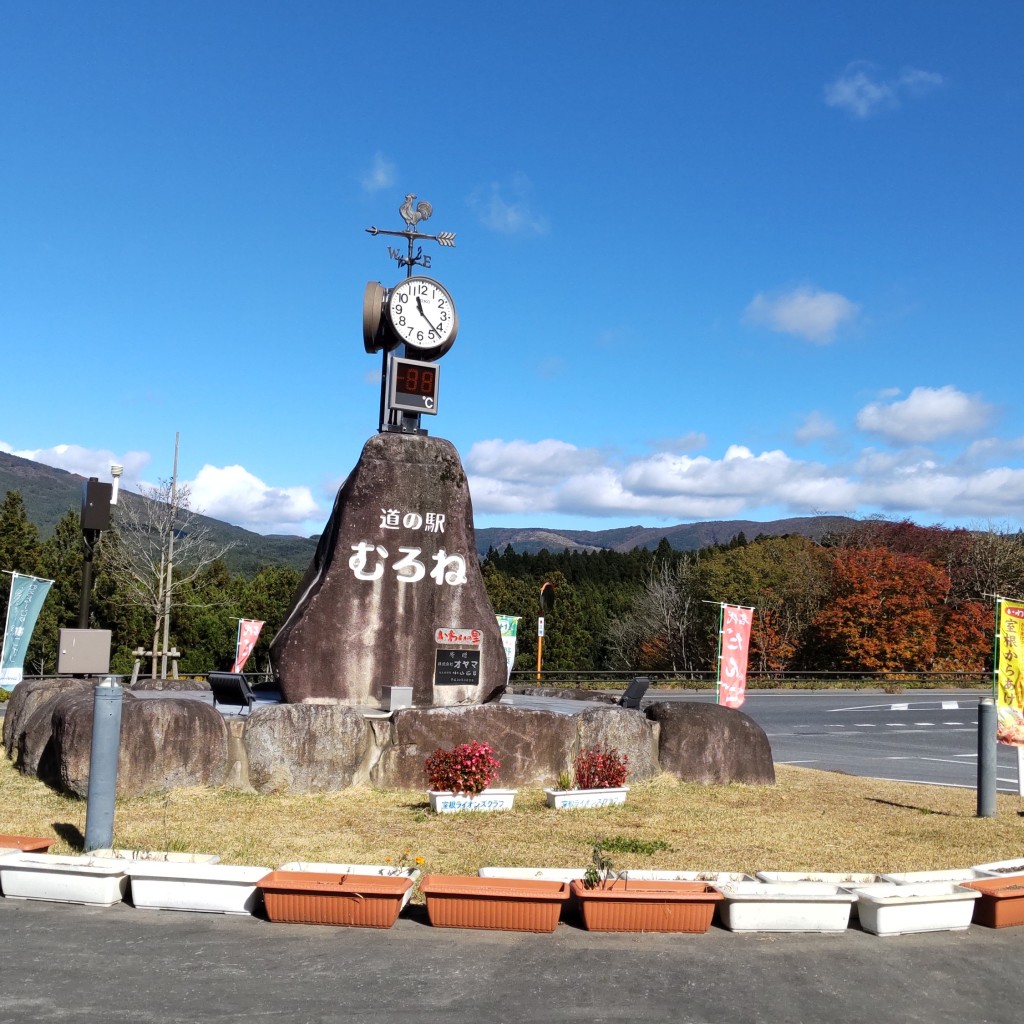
point(927, 736)
point(108, 966)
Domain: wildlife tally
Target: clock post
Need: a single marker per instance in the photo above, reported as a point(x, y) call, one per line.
point(418, 315)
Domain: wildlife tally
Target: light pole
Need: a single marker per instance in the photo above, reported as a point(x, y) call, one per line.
point(547, 604)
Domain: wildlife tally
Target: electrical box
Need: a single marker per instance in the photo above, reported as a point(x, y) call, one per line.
point(84, 652)
point(96, 504)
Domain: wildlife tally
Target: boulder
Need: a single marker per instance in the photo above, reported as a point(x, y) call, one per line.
point(532, 746)
point(307, 748)
point(706, 743)
point(394, 583)
point(630, 732)
point(164, 743)
point(27, 698)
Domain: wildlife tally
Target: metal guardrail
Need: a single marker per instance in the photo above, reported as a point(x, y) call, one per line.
point(586, 679)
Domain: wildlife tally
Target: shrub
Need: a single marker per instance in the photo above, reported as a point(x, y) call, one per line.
point(470, 768)
point(595, 768)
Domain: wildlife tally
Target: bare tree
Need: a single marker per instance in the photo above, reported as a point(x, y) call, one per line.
point(160, 545)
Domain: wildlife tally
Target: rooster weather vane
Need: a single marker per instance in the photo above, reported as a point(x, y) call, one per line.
point(413, 215)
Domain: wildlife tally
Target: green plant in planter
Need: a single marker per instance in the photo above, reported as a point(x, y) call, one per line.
point(469, 768)
point(600, 869)
point(565, 780)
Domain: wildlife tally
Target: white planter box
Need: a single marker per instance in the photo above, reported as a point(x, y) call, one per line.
point(489, 800)
point(170, 856)
point(892, 909)
point(941, 875)
point(714, 877)
point(844, 879)
point(356, 869)
point(571, 799)
point(785, 907)
point(542, 874)
point(46, 876)
point(208, 888)
point(1001, 868)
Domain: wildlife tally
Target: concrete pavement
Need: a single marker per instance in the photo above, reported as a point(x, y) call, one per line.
point(103, 966)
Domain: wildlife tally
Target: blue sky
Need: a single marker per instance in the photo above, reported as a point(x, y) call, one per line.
point(714, 260)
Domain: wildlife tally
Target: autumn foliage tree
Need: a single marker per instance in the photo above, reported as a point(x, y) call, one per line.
point(884, 613)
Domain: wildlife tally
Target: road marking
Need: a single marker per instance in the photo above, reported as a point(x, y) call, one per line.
point(812, 760)
point(950, 705)
point(899, 707)
point(864, 725)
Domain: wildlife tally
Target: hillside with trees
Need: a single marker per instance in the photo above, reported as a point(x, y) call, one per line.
point(875, 596)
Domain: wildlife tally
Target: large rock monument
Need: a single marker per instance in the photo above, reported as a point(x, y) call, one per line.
point(394, 595)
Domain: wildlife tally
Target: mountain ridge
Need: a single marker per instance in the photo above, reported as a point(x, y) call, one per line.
point(49, 493)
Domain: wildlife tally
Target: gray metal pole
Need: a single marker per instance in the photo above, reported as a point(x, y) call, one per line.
point(106, 743)
point(986, 758)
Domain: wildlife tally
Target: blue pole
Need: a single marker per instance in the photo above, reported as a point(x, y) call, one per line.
point(106, 743)
point(986, 758)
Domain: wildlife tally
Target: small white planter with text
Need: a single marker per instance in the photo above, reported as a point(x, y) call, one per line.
point(443, 802)
point(572, 799)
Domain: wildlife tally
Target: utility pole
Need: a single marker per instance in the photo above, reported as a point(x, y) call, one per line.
point(170, 562)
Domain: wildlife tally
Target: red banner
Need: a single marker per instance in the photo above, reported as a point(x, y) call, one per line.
point(248, 634)
point(732, 655)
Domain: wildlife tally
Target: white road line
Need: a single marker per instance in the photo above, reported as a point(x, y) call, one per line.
point(864, 725)
point(899, 707)
point(950, 705)
point(808, 761)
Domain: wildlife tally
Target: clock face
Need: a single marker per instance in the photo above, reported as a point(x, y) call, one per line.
point(422, 315)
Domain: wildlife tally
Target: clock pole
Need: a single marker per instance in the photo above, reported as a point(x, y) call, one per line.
point(403, 398)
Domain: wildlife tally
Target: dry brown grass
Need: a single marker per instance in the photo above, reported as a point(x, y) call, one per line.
point(809, 820)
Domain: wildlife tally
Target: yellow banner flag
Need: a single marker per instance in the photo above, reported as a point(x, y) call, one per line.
point(1010, 674)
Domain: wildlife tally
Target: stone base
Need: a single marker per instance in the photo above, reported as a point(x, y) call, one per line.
point(315, 747)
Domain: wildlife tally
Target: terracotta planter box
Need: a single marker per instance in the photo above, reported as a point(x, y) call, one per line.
point(29, 844)
point(310, 897)
point(388, 870)
point(543, 874)
point(444, 802)
point(574, 799)
point(631, 906)
point(508, 904)
point(1002, 901)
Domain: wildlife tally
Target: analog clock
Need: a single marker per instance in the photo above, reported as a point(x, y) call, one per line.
point(422, 315)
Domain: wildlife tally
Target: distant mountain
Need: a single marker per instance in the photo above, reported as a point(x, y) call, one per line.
point(685, 537)
point(49, 493)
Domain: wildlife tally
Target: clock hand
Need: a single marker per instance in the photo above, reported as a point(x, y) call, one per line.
point(419, 306)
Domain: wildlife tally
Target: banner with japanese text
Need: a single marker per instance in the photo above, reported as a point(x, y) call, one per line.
point(509, 626)
point(734, 642)
point(248, 634)
point(1010, 672)
point(27, 596)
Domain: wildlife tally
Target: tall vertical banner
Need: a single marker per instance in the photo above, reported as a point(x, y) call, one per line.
point(509, 626)
point(1009, 680)
point(733, 645)
point(27, 596)
point(248, 634)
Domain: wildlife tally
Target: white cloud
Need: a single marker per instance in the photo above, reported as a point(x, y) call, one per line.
point(85, 461)
point(860, 91)
point(691, 442)
point(805, 312)
point(506, 207)
point(816, 427)
point(233, 494)
point(925, 415)
point(379, 175)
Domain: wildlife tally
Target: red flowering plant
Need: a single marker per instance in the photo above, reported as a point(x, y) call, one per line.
point(469, 768)
point(594, 768)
